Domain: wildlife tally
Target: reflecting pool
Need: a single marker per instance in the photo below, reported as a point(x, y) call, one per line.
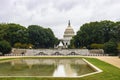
point(44, 67)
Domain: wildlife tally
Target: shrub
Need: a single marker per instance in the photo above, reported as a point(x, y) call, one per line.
point(97, 46)
point(5, 47)
point(110, 47)
point(118, 46)
point(24, 46)
point(17, 45)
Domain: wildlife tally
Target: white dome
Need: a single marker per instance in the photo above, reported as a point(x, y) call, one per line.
point(69, 32)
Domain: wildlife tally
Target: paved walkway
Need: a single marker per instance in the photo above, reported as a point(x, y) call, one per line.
point(111, 60)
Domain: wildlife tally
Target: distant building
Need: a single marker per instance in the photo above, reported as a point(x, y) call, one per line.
point(68, 34)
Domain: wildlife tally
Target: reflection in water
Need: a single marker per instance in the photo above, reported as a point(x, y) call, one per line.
point(60, 71)
point(64, 71)
point(44, 67)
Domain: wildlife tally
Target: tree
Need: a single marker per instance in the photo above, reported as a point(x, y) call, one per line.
point(5, 47)
point(15, 33)
point(94, 32)
point(116, 30)
point(18, 36)
point(3, 28)
point(41, 37)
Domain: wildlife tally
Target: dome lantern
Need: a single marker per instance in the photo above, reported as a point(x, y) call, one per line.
point(69, 24)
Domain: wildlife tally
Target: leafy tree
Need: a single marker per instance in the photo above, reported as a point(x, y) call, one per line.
point(15, 33)
point(19, 36)
point(3, 28)
point(116, 30)
point(36, 35)
point(41, 37)
point(94, 32)
point(5, 47)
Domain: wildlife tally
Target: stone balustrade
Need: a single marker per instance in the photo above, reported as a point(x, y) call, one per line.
point(60, 52)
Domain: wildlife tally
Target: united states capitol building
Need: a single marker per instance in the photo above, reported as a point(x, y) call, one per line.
point(68, 34)
point(61, 49)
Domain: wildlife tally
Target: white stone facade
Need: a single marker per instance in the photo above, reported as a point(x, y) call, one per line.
point(33, 52)
point(68, 34)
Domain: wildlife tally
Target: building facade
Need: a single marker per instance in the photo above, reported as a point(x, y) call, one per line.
point(68, 34)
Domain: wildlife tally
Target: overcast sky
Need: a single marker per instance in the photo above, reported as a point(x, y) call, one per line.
point(56, 13)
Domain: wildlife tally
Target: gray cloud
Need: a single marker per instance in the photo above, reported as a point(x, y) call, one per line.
point(56, 13)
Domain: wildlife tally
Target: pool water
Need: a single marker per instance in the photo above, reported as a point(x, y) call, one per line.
point(44, 68)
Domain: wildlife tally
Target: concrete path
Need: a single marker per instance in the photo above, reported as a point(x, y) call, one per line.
point(111, 60)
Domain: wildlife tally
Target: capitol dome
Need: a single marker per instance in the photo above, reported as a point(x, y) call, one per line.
point(69, 32)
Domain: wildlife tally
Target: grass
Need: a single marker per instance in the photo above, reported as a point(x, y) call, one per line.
point(110, 72)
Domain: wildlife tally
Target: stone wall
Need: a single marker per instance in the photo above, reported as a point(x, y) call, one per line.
point(35, 52)
point(57, 51)
point(96, 51)
point(18, 51)
point(32, 52)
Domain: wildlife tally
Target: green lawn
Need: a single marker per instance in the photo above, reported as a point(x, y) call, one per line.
point(110, 72)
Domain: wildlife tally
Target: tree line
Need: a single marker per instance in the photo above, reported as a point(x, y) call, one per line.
point(18, 36)
point(98, 35)
point(94, 35)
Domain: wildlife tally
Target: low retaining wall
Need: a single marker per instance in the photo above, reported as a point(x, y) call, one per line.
point(33, 52)
point(96, 51)
point(57, 52)
point(18, 51)
point(49, 52)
